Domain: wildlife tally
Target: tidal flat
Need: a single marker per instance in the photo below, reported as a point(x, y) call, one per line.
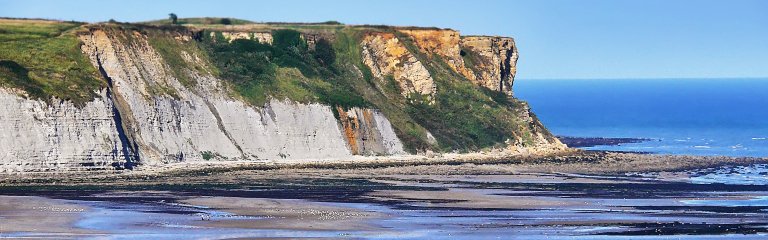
point(583, 195)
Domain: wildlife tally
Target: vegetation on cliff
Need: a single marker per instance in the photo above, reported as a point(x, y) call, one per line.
point(284, 69)
point(43, 59)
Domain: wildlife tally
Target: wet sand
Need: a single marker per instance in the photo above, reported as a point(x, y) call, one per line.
point(412, 207)
point(41, 216)
point(293, 214)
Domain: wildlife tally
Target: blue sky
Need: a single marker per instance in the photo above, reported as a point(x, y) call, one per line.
point(556, 38)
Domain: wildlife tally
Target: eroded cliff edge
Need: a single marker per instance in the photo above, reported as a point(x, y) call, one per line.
point(259, 92)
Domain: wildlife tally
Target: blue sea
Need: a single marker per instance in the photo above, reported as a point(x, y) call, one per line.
point(726, 117)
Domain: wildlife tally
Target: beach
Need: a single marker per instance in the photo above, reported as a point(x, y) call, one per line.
point(572, 195)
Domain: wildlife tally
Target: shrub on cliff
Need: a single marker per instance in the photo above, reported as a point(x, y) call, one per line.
point(324, 52)
point(245, 62)
point(285, 69)
point(174, 19)
point(287, 38)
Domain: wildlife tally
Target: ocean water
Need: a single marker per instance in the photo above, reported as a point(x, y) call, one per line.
point(727, 117)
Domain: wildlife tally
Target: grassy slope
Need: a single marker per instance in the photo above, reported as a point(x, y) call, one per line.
point(466, 116)
point(43, 58)
point(162, 40)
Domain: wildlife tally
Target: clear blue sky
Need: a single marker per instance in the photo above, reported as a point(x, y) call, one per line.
point(557, 39)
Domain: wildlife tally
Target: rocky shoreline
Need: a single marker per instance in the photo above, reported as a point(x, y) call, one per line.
point(572, 161)
point(581, 142)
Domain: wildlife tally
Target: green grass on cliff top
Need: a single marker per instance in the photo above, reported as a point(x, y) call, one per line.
point(200, 21)
point(43, 58)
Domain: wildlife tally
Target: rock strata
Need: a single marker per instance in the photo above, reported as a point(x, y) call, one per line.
point(385, 55)
point(494, 61)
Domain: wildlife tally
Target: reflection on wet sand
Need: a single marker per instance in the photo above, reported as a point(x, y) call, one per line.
point(40, 217)
point(528, 206)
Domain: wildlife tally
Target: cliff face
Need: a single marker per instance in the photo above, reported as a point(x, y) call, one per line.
point(368, 132)
point(496, 60)
point(490, 61)
point(385, 55)
point(443, 43)
point(168, 99)
point(204, 120)
point(262, 37)
point(35, 135)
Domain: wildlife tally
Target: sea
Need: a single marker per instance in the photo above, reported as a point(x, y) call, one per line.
point(706, 117)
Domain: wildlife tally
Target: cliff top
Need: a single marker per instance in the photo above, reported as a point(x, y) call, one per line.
point(238, 24)
point(227, 24)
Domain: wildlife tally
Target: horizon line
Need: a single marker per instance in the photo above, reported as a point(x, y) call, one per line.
point(644, 78)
